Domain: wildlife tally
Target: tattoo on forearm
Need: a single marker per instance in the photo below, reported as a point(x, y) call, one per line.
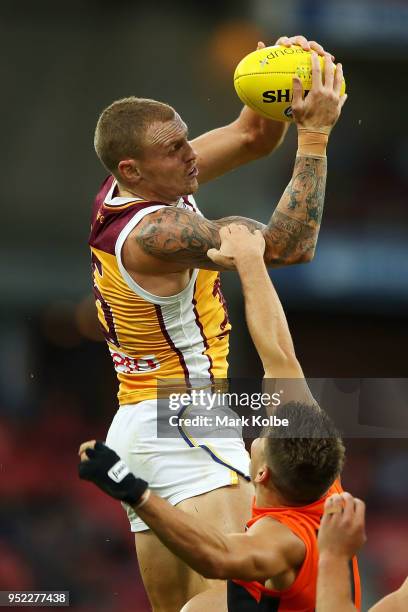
point(305, 192)
point(294, 226)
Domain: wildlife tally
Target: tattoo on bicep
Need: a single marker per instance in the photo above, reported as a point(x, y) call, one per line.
point(177, 235)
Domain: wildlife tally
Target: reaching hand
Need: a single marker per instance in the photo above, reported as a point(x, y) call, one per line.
point(237, 243)
point(301, 41)
point(101, 465)
point(342, 528)
point(321, 108)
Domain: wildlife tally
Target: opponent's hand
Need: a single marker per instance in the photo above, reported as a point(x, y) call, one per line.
point(301, 41)
point(342, 528)
point(237, 243)
point(101, 465)
point(321, 108)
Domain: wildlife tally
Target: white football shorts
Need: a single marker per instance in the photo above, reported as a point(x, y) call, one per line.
point(177, 467)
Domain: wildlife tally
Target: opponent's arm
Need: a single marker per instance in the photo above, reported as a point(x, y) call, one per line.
point(341, 535)
point(247, 138)
point(264, 313)
point(269, 549)
point(180, 239)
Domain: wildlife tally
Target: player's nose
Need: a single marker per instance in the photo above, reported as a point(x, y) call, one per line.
point(191, 155)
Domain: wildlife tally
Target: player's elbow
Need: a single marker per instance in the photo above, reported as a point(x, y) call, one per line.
point(287, 258)
point(306, 256)
point(213, 567)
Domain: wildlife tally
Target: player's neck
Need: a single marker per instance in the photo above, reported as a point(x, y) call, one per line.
point(145, 194)
point(266, 497)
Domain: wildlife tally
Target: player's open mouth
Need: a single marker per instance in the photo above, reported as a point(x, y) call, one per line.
point(193, 172)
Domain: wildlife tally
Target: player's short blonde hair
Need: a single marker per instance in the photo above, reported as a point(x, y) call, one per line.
point(121, 127)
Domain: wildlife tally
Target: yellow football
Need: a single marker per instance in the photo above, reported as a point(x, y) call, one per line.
point(263, 79)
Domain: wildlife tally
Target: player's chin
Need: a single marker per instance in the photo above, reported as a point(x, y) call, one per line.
point(192, 186)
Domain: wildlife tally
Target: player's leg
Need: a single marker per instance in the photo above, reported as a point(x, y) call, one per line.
point(168, 581)
point(214, 599)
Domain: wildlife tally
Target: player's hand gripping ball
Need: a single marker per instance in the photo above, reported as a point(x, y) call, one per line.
point(263, 79)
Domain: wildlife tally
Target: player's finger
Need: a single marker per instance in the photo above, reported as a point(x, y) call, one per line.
point(283, 40)
point(359, 510)
point(213, 254)
point(221, 260)
point(301, 41)
point(224, 232)
point(90, 453)
point(334, 505)
point(85, 445)
point(329, 69)
point(348, 507)
point(316, 71)
point(315, 46)
point(261, 240)
point(241, 228)
point(338, 79)
point(297, 93)
point(260, 45)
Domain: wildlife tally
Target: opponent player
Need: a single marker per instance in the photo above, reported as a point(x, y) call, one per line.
point(273, 566)
point(164, 318)
point(341, 535)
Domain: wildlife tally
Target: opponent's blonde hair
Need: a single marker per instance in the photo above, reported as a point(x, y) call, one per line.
point(121, 127)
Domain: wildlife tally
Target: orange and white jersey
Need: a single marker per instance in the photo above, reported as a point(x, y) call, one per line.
point(182, 337)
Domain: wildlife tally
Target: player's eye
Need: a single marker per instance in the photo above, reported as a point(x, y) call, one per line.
point(176, 146)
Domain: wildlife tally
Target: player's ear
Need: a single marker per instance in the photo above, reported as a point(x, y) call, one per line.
point(129, 171)
point(263, 475)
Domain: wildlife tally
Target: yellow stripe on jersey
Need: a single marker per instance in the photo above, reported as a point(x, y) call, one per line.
point(115, 207)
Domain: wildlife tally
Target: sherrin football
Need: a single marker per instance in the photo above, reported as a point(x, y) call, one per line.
point(263, 79)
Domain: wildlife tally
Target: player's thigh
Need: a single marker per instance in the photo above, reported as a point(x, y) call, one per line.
point(226, 508)
point(169, 582)
point(212, 600)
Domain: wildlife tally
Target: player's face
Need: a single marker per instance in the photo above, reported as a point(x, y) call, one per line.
point(168, 164)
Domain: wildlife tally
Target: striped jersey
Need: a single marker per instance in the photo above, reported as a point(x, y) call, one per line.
point(149, 337)
point(301, 595)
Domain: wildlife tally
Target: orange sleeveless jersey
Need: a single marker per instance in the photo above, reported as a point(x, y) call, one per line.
point(301, 596)
point(180, 337)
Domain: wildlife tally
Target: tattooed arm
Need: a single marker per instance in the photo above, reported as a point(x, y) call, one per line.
point(292, 231)
point(180, 239)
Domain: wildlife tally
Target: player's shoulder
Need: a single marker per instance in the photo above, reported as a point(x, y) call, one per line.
point(269, 529)
point(162, 217)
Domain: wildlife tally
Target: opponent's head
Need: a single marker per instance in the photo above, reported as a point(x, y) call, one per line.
point(301, 461)
point(144, 144)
